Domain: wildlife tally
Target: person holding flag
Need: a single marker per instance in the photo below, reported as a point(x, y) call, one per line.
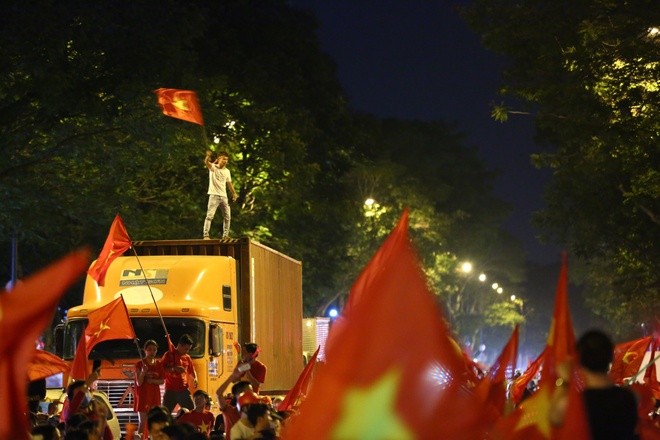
point(219, 181)
point(149, 374)
point(178, 366)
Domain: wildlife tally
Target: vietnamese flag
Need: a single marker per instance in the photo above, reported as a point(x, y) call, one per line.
point(299, 391)
point(25, 311)
point(108, 322)
point(531, 419)
point(519, 385)
point(392, 370)
point(80, 367)
point(180, 104)
point(116, 244)
point(628, 357)
point(492, 388)
point(561, 340)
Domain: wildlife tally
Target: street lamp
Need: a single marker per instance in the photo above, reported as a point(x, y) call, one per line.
point(466, 267)
point(482, 277)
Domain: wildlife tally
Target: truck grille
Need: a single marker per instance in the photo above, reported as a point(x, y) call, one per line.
point(120, 395)
point(119, 392)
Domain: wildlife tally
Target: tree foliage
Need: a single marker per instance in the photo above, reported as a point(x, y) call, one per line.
point(588, 71)
point(84, 139)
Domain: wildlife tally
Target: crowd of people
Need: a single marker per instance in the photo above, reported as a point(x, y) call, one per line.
point(245, 414)
point(611, 411)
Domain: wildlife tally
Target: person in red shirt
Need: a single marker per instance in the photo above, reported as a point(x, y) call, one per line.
point(178, 366)
point(149, 374)
point(200, 416)
point(254, 370)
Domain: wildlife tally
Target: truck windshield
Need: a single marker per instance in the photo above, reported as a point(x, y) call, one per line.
point(145, 329)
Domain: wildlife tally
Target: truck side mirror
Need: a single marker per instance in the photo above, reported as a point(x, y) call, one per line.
point(216, 342)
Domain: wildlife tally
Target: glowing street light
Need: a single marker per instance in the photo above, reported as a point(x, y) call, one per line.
point(466, 267)
point(482, 277)
point(369, 202)
point(513, 298)
point(495, 286)
point(499, 290)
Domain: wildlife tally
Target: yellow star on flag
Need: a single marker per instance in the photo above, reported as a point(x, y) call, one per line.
point(629, 357)
point(369, 413)
point(536, 412)
point(102, 326)
point(181, 104)
point(203, 427)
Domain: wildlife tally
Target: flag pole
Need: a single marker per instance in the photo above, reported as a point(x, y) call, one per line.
point(135, 339)
point(150, 291)
point(632, 379)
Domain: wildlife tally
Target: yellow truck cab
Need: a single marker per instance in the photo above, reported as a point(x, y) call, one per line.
point(217, 291)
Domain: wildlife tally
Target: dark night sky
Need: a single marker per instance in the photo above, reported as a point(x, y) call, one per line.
point(416, 59)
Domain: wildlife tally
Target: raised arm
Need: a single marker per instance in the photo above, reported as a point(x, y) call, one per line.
point(207, 160)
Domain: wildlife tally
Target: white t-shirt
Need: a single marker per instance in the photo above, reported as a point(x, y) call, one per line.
point(218, 178)
point(241, 431)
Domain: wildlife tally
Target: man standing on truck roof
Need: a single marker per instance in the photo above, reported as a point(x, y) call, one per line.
point(178, 366)
point(253, 369)
point(219, 181)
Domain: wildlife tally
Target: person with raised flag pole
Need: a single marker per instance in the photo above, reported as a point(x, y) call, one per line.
point(178, 367)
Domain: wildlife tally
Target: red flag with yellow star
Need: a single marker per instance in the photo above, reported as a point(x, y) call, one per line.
point(116, 244)
point(44, 364)
point(109, 322)
point(392, 370)
point(628, 357)
point(519, 385)
point(561, 339)
point(299, 391)
point(492, 388)
point(180, 104)
point(25, 311)
point(80, 366)
point(531, 419)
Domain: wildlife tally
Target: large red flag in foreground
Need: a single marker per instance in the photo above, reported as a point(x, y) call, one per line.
point(24, 313)
point(492, 388)
point(391, 370)
point(116, 244)
point(299, 391)
point(108, 322)
point(180, 104)
point(628, 357)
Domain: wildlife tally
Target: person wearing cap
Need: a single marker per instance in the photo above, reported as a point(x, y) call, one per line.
point(178, 366)
point(202, 418)
point(230, 414)
point(243, 429)
point(254, 369)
